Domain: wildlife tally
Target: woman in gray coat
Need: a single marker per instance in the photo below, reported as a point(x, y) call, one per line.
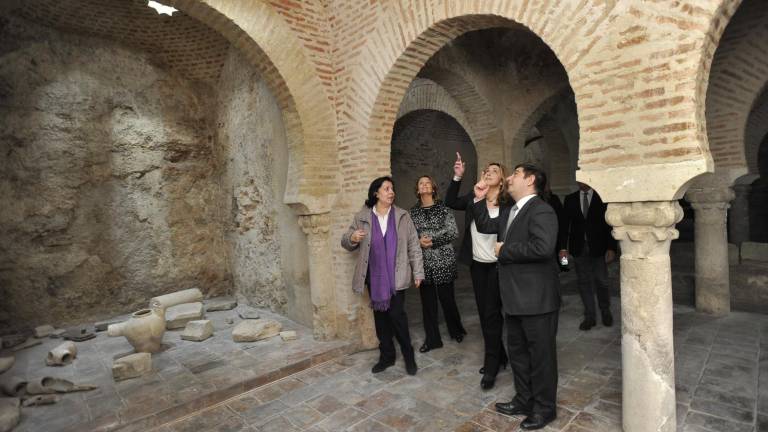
point(389, 254)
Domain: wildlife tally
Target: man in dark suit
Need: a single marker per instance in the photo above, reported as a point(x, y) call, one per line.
point(528, 278)
point(587, 237)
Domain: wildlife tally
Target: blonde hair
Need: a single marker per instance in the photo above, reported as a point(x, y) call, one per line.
point(502, 197)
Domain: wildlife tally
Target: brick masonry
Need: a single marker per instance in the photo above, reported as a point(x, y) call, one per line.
point(639, 70)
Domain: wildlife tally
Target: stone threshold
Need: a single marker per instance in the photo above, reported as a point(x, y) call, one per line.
point(112, 422)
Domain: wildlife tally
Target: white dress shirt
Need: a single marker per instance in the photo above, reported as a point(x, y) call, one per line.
point(382, 219)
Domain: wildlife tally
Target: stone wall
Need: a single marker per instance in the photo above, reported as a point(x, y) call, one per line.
point(107, 179)
point(266, 248)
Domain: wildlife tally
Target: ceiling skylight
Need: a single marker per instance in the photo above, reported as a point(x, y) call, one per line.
point(161, 8)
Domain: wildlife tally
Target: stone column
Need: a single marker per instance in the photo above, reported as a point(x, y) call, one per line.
point(644, 231)
point(321, 280)
point(713, 292)
point(738, 225)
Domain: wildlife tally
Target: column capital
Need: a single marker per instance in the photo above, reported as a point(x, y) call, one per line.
point(644, 228)
point(315, 223)
point(651, 214)
point(710, 196)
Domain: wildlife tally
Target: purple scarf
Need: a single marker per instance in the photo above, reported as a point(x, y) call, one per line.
point(381, 262)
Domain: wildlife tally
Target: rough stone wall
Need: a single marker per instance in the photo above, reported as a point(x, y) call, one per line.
point(106, 179)
point(266, 248)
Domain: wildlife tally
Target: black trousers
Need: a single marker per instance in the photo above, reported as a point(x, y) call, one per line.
point(393, 323)
point(485, 282)
point(592, 278)
point(429, 297)
point(531, 340)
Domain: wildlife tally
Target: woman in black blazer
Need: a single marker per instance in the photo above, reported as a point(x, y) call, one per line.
point(477, 252)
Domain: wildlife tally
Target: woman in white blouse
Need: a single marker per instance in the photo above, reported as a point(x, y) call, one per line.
point(477, 251)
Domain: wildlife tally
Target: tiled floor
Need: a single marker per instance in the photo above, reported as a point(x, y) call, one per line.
point(187, 377)
point(721, 374)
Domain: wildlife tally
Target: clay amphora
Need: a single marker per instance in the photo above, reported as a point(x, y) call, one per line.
point(144, 330)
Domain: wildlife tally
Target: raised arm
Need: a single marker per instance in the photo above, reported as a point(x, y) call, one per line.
point(483, 221)
point(452, 198)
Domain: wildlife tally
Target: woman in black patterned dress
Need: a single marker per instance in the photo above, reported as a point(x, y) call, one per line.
point(437, 229)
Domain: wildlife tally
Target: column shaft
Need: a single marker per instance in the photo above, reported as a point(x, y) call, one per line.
point(644, 231)
point(321, 280)
point(713, 292)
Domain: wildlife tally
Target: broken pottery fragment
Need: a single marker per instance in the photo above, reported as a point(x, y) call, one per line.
point(28, 343)
point(44, 331)
point(103, 325)
point(44, 399)
point(14, 386)
point(229, 321)
point(6, 363)
point(220, 304)
point(254, 330)
point(10, 341)
point(289, 335)
point(192, 295)
point(197, 331)
point(132, 366)
point(62, 354)
point(58, 333)
point(10, 413)
point(178, 316)
point(79, 333)
point(47, 385)
point(247, 312)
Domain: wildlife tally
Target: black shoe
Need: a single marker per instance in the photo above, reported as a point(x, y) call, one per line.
point(512, 409)
point(382, 365)
point(536, 421)
point(487, 382)
point(459, 338)
point(482, 369)
point(607, 318)
point(587, 324)
point(425, 348)
point(410, 366)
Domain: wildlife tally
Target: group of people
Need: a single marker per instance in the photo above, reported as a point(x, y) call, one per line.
point(515, 233)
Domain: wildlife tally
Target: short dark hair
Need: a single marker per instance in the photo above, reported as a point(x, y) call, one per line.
point(374, 187)
point(540, 181)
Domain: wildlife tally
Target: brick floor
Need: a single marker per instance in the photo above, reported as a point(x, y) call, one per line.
point(721, 376)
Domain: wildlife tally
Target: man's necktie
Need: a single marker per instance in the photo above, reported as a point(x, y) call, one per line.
point(584, 204)
point(512, 214)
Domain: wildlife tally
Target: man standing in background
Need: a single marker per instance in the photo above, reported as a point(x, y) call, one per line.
point(587, 237)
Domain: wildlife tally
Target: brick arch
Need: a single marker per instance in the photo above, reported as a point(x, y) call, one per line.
point(737, 77)
point(424, 40)
point(407, 37)
point(274, 49)
point(487, 137)
point(425, 94)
